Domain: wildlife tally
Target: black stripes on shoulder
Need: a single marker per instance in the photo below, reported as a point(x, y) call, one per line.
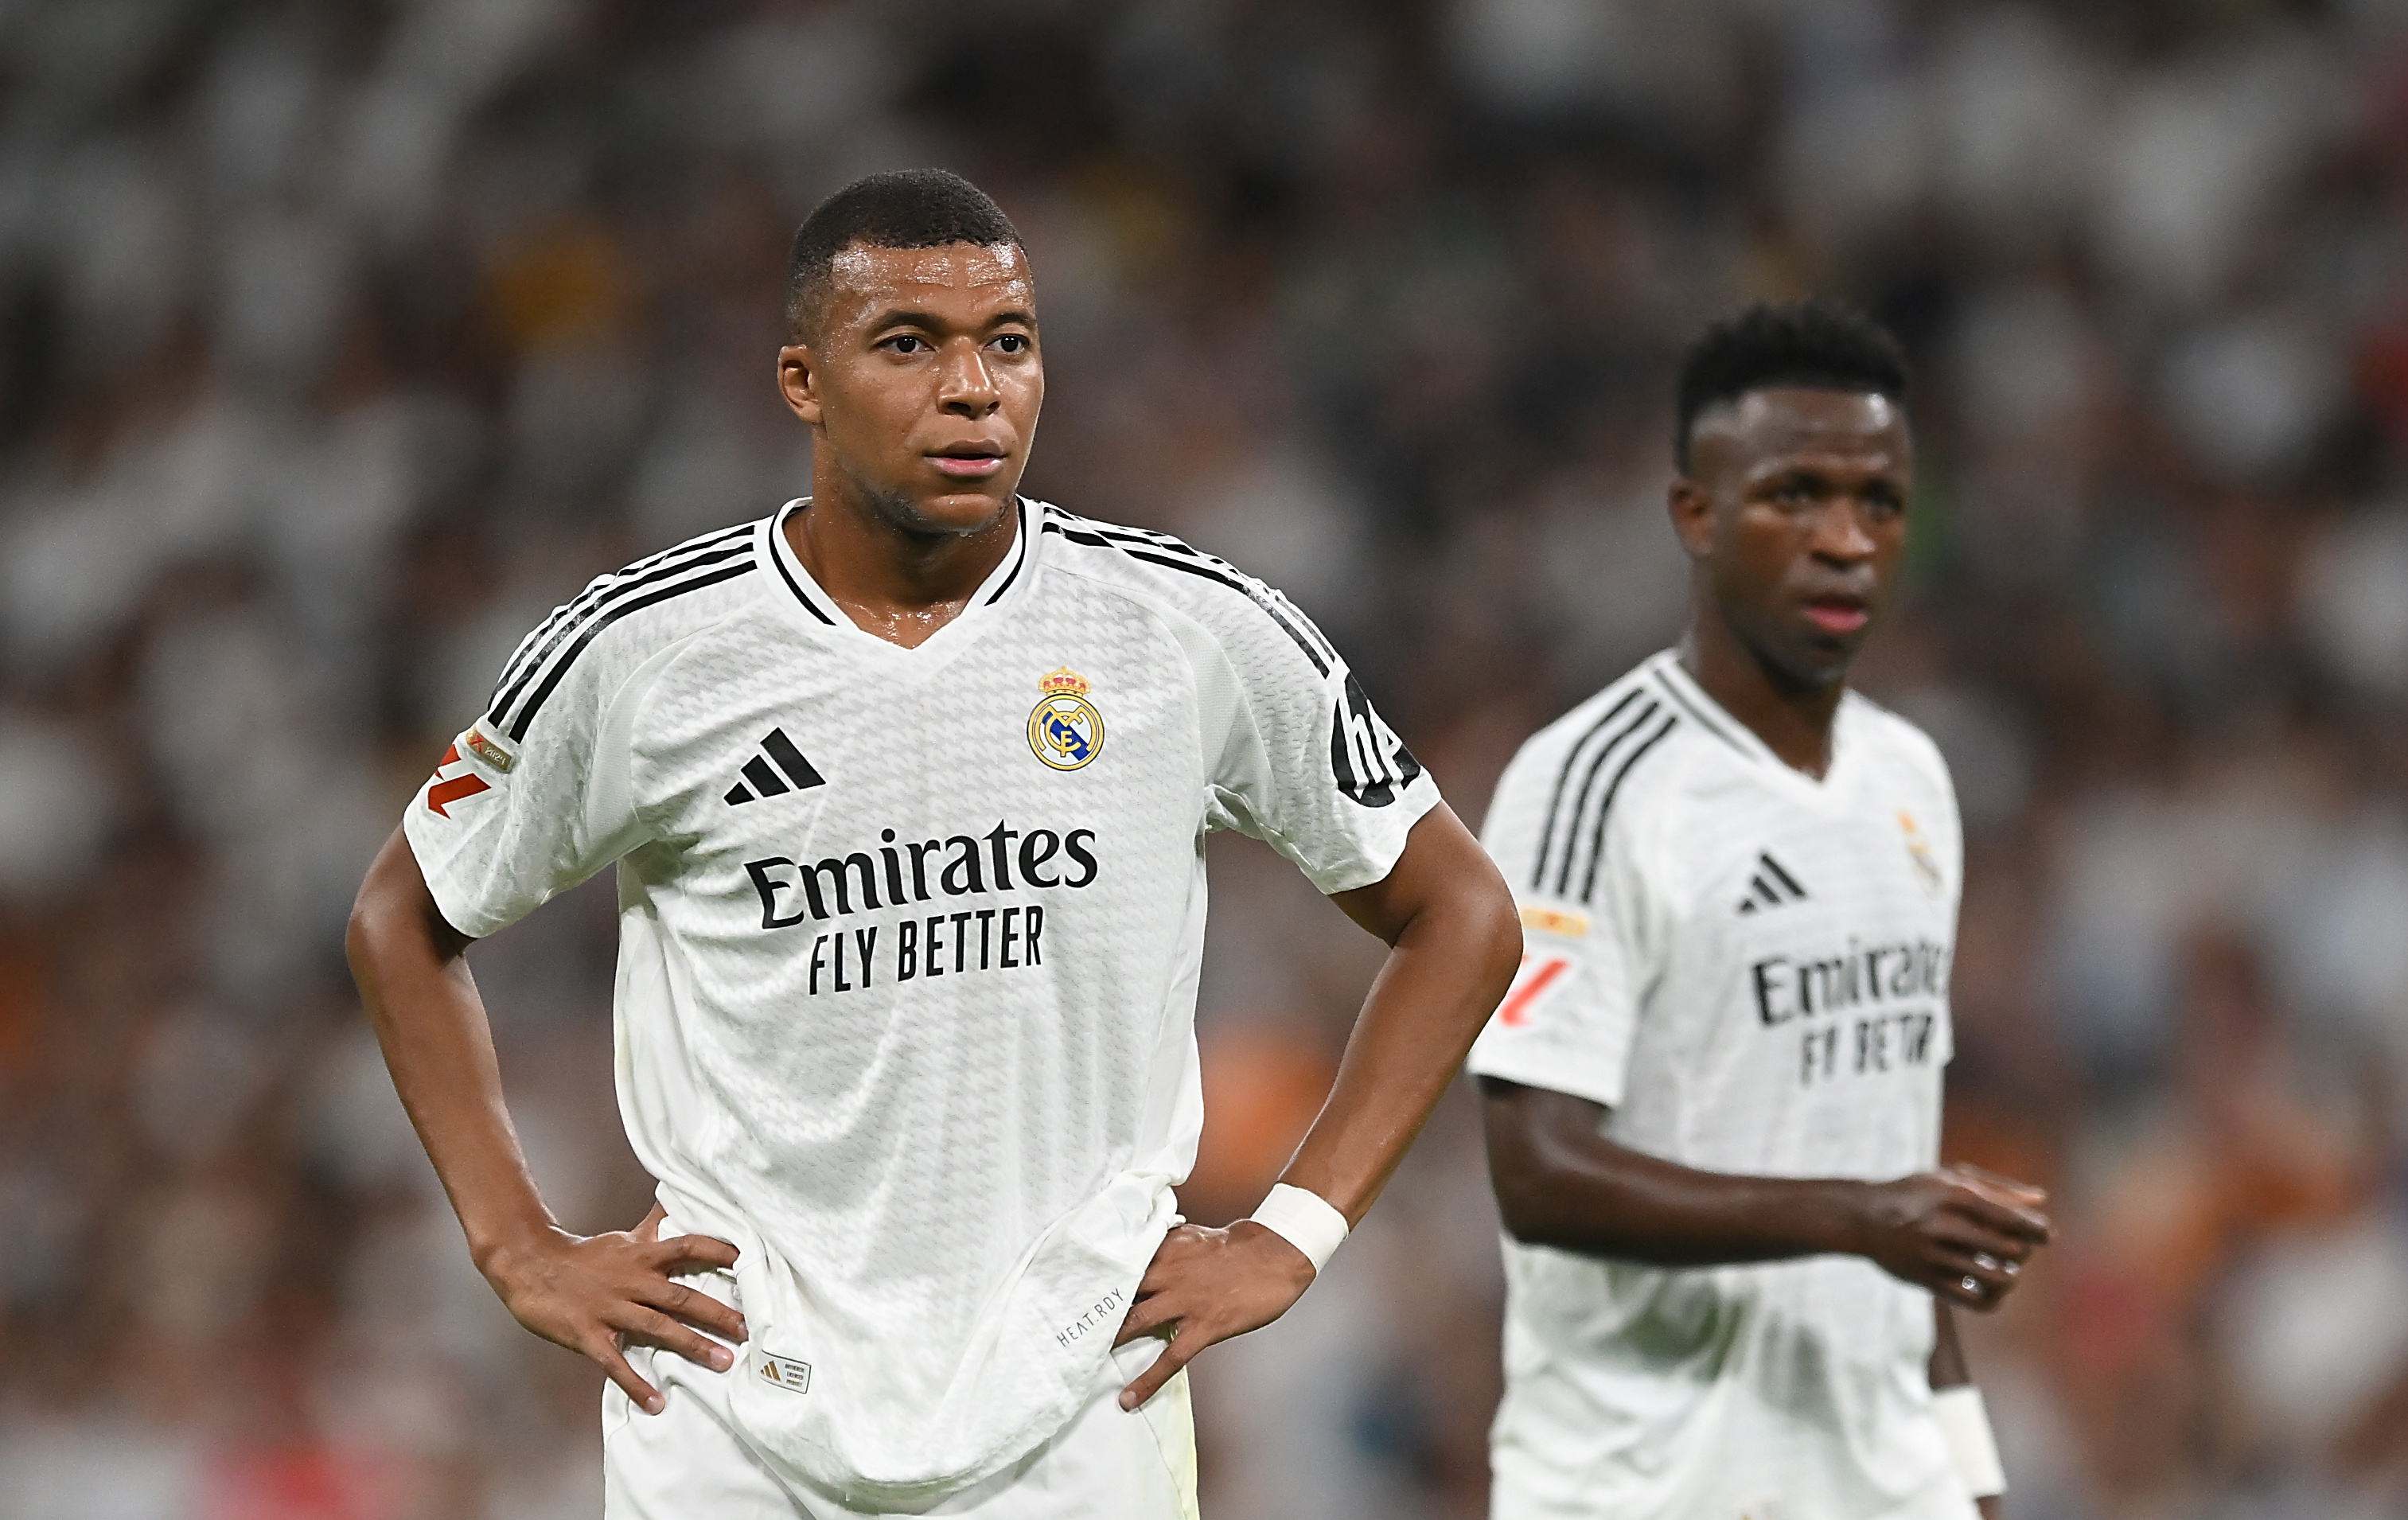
point(1672, 689)
point(545, 657)
point(1171, 554)
point(1601, 759)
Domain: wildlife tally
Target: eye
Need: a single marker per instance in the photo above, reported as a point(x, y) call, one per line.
point(1013, 342)
point(906, 343)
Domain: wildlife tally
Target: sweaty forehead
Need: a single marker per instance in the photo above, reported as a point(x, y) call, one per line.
point(1778, 421)
point(994, 270)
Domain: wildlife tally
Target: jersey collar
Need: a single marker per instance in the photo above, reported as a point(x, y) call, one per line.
point(1711, 715)
point(816, 608)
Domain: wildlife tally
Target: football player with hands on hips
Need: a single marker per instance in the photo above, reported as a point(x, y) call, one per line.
point(1712, 1095)
point(905, 786)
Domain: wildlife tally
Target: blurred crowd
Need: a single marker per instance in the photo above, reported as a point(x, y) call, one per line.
point(337, 343)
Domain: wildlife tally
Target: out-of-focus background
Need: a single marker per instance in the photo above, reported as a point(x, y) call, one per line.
point(338, 342)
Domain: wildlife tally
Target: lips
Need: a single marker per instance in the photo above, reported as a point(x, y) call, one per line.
point(1838, 613)
point(969, 461)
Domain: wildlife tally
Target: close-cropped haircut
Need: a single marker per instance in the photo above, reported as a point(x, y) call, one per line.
point(899, 208)
point(1812, 344)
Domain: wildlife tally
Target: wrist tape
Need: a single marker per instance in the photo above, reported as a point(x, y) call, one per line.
point(1965, 1420)
point(1304, 1220)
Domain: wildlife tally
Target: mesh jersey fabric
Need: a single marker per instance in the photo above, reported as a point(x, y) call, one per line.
point(1749, 969)
point(910, 940)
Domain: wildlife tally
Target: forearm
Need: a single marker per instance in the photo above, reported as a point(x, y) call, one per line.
point(1668, 1215)
point(439, 1046)
point(1453, 940)
point(1425, 1008)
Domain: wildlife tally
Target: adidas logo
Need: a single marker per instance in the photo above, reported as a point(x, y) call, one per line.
point(778, 770)
point(1770, 886)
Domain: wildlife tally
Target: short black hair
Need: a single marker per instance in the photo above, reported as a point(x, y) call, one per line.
point(897, 209)
point(1816, 345)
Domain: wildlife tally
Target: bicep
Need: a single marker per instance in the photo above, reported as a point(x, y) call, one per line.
point(1538, 1141)
point(1440, 863)
point(395, 907)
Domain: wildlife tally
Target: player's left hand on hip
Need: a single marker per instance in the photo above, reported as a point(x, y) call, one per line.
point(1206, 1285)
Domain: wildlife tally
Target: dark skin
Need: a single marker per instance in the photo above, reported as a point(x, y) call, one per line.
point(921, 378)
point(1792, 510)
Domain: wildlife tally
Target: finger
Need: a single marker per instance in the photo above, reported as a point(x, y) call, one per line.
point(1999, 1212)
point(2023, 1192)
point(696, 1307)
point(1977, 1281)
point(1962, 1234)
point(1175, 1247)
point(662, 1331)
point(1165, 1367)
point(605, 1350)
point(1148, 1316)
point(689, 1251)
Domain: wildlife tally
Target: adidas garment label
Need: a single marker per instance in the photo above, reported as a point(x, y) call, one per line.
point(1749, 968)
point(910, 939)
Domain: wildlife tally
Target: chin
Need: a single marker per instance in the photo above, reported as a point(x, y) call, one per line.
point(953, 511)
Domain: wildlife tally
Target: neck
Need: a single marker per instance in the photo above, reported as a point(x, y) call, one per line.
point(893, 580)
point(1792, 717)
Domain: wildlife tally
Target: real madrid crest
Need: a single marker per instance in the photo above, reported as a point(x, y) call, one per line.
point(1066, 731)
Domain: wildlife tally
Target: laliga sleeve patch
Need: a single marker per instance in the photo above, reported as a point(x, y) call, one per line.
point(1563, 925)
point(1538, 974)
point(445, 790)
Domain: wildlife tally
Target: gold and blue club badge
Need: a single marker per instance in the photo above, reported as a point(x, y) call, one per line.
point(1066, 731)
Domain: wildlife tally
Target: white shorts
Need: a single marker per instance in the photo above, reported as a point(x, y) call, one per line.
point(688, 1463)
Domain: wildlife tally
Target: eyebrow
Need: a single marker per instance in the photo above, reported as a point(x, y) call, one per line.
point(906, 317)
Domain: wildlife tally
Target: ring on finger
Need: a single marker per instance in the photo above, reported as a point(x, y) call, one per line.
point(1969, 1283)
point(1985, 1261)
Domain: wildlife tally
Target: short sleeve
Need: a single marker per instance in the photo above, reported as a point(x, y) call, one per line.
point(1309, 768)
point(504, 826)
point(1569, 1021)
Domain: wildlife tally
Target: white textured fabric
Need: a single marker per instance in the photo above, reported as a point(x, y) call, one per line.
point(688, 1463)
point(1965, 1421)
point(908, 941)
point(1749, 968)
point(1305, 1220)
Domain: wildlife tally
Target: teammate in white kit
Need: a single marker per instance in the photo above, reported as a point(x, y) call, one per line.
point(907, 784)
point(1712, 1094)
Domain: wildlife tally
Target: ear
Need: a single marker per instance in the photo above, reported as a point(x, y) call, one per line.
point(798, 378)
point(1692, 510)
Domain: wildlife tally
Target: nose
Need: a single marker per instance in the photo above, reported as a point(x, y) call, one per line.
point(966, 385)
point(1841, 535)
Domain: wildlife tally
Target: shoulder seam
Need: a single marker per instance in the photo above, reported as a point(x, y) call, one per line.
point(576, 633)
point(1161, 549)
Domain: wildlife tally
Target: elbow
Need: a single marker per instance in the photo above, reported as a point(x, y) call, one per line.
point(1522, 1209)
point(1494, 925)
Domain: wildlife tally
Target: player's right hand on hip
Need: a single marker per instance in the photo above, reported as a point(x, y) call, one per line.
point(595, 1293)
point(1962, 1232)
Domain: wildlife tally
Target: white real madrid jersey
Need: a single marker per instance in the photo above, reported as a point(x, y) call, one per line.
point(909, 940)
point(1749, 968)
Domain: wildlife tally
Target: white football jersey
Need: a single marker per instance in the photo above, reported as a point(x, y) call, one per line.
point(1749, 968)
point(910, 940)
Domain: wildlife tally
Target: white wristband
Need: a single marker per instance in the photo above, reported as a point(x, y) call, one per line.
point(1304, 1220)
point(1966, 1422)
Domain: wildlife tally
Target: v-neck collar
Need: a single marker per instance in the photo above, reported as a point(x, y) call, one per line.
point(1716, 720)
point(809, 605)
